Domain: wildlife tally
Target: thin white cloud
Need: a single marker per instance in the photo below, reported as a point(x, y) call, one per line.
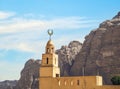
point(17, 24)
point(18, 43)
point(5, 15)
point(24, 47)
point(22, 31)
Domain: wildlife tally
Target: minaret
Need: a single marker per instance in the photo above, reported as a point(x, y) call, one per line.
point(49, 65)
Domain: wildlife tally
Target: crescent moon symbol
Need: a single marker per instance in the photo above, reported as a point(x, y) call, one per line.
point(50, 32)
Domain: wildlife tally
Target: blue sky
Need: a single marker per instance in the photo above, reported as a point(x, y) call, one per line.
point(24, 24)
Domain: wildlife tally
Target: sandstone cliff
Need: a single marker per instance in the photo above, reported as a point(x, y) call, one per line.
point(29, 75)
point(66, 56)
point(100, 51)
point(8, 84)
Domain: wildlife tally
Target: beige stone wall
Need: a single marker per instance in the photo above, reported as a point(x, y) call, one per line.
point(49, 66)
point(52, 60)
point(56, 70)
point(46, 72)
point(99, 81)
point(70, 82)
point(86, 82)
point(49, 71)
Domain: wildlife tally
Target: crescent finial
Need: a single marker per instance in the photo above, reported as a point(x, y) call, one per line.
point(50, 33)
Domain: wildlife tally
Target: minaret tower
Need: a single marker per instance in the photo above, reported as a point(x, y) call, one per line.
point(49, 65)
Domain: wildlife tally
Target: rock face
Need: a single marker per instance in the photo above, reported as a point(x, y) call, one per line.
point(29, 75)
point(66, 56)
point(8, 84)
point(100, 51)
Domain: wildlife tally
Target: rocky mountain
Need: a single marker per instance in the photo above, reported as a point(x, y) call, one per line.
point(8, 84)
point(100, 51)
point(29, 75)
point(66, 56)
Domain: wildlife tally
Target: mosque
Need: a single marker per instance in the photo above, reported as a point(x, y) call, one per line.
point(49, 77)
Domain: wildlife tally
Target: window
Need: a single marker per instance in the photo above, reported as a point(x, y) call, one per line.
point(59, 82)
point(71, 83)
point(65, 83)
point(57, 75)
point(52, 50)
point(78, 82)
point(47, 61)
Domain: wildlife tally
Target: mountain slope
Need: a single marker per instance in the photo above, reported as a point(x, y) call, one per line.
point(66, 56)
point(100, 51)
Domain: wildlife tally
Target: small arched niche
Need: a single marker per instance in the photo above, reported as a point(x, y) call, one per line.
point(47, 60)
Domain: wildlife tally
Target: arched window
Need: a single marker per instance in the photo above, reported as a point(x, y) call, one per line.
point(65, 83)
point(59, 82)
point(71, 83)
point(78, 82)
point(52, 50)
point(47, 61)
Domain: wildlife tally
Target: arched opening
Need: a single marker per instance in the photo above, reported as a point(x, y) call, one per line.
point(65, 83)
point(78, 82)
point(47, 50)
point(59, 82)
point(47, 61)
point(57, 75)
point(52, 50)
point(71, 83)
